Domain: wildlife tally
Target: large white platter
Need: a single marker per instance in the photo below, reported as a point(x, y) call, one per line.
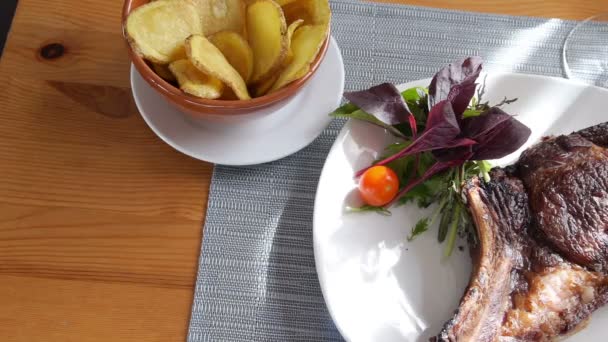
point(379, 287)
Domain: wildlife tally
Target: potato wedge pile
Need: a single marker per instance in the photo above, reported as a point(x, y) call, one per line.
point(229, 49)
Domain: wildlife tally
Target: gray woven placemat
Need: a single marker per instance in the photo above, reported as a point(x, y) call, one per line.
point(257, 279)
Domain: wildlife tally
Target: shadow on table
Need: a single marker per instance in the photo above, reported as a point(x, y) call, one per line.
point(7, 10)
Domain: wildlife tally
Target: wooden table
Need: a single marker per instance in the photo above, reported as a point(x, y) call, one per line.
point(100, 222)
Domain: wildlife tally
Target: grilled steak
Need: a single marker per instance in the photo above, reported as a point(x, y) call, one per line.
point(541, 265)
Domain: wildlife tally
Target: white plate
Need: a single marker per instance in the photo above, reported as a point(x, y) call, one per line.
point(379, 287)
point(267, 135)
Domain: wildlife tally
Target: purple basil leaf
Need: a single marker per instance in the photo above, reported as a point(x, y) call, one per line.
point(496, 132)
point(383, 101)
point(464, 71)
point(442, 115)
point(441, 129)
point(440, 132)
point(460, 95)
point(449, 154)
point(511, 135)
point(478, 126)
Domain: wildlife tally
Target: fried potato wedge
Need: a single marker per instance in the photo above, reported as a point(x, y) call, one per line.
point(157, 30)
point(236, 50)
point(306, 43)
point(163, 71)
point(290, 30)
point(267, 33)
point(194, 82)
point(313, 12)
point(221, 15)
point(210, 60)
point(263, 87)
point(301, 73)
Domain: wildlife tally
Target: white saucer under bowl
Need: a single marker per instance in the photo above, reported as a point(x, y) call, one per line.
point(268, 135)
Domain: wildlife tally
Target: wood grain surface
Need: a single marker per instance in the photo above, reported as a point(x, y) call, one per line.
point(100, 222)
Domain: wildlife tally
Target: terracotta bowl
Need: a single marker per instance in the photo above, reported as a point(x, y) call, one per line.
point(203, 107)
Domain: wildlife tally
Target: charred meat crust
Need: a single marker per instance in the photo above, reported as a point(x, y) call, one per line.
point(597, 134)
point(540, 267)
point(567, 180)
point(500, 230)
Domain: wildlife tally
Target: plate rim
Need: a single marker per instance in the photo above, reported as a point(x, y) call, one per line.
point(266, 157)
point(344, 130)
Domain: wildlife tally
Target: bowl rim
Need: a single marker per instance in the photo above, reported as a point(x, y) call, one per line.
point(169, 90)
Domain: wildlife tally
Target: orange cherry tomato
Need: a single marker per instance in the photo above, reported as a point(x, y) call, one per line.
point(378, 185)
